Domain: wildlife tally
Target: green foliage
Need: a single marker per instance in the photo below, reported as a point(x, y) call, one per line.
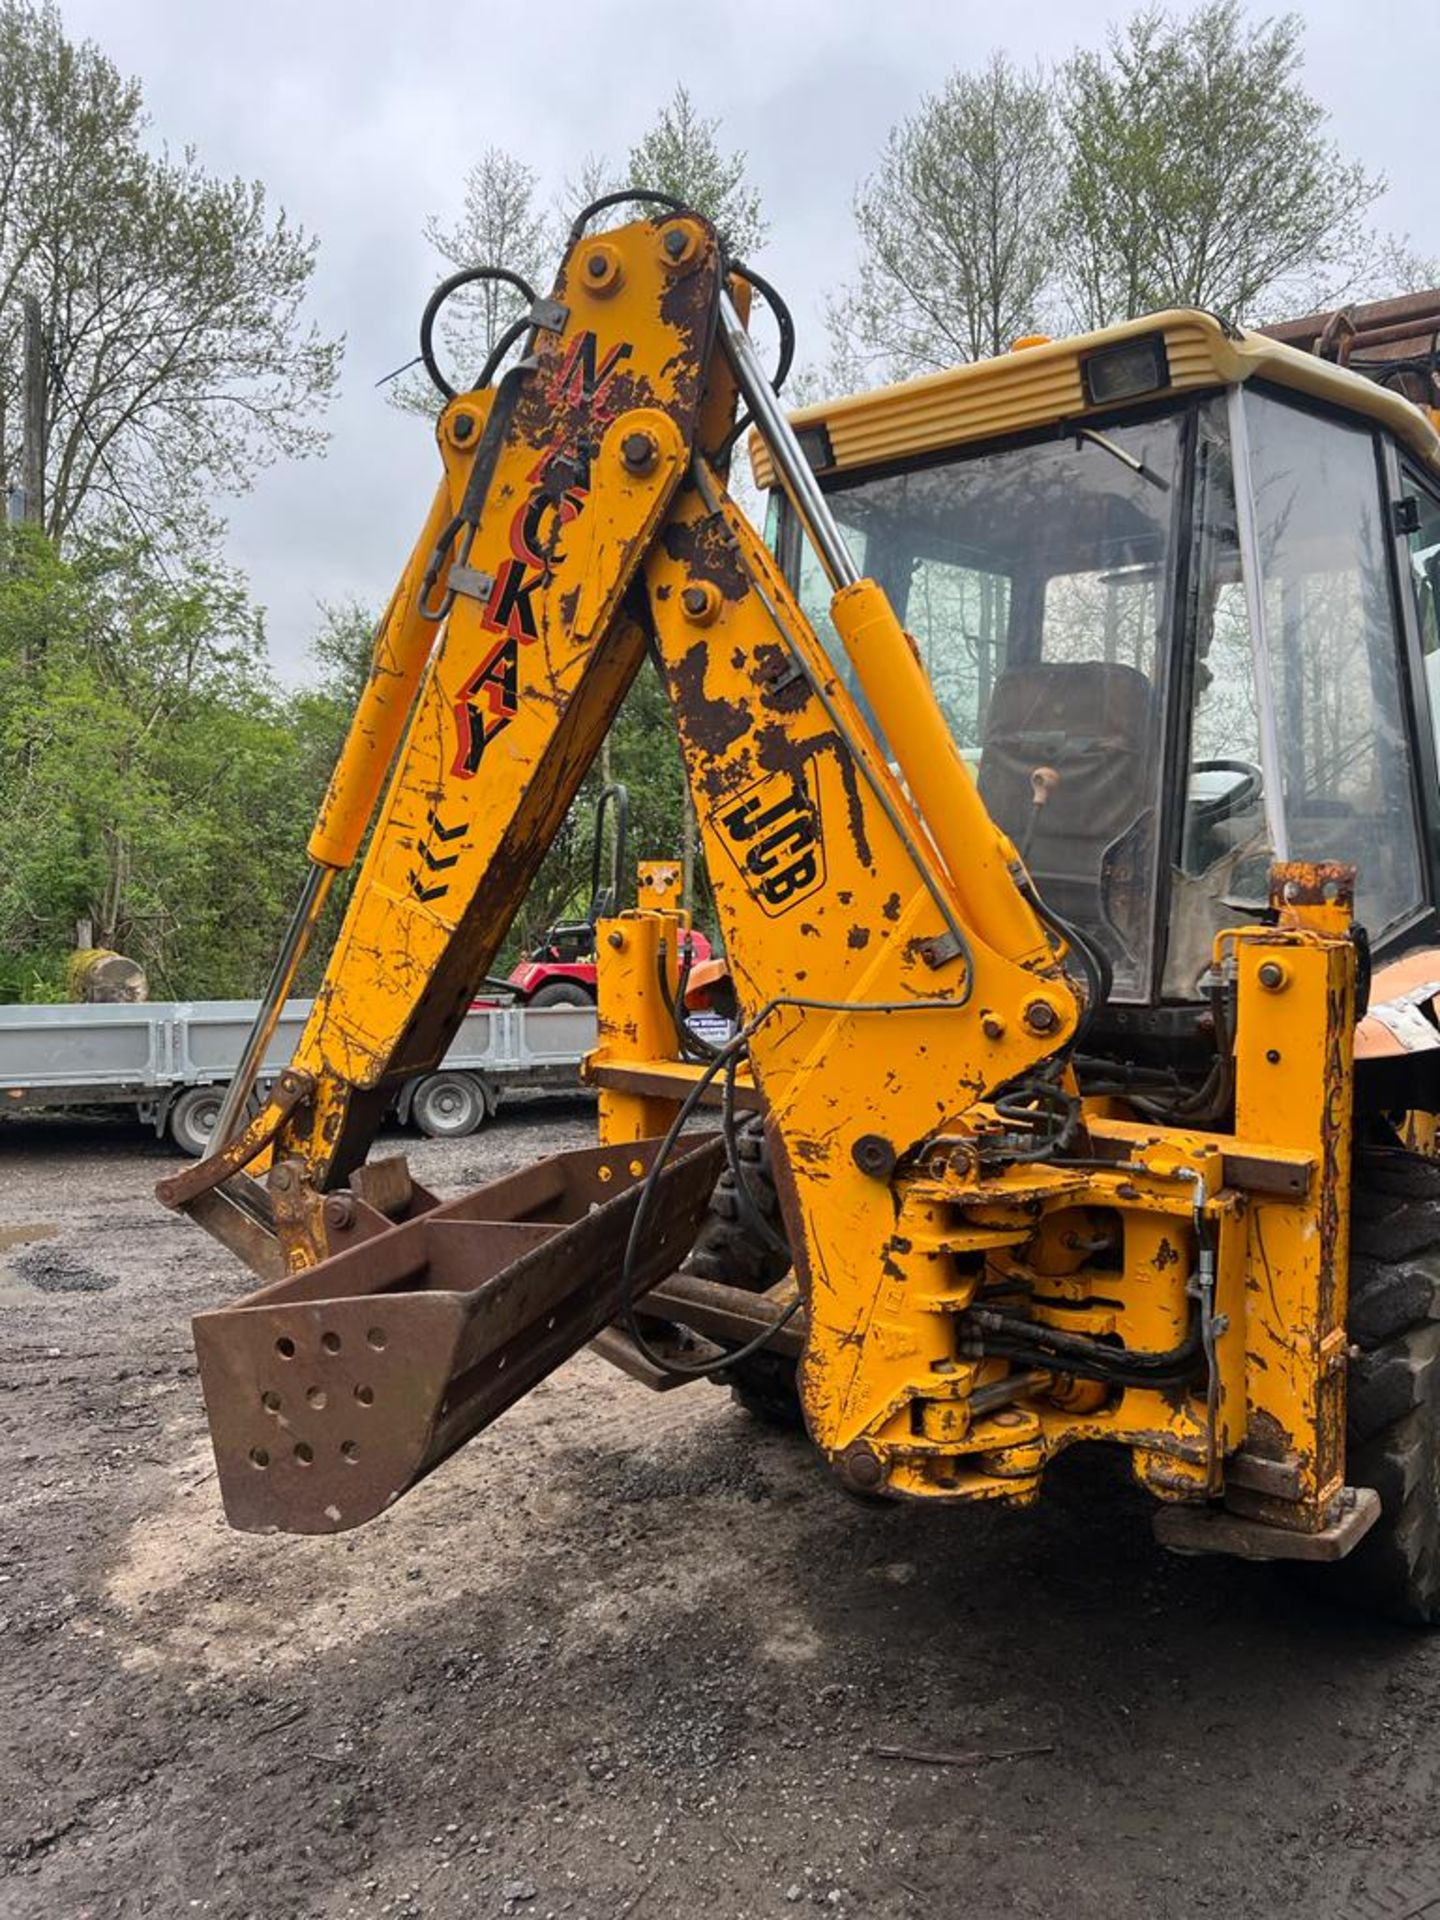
point(1184, 164)
point(147, 772)
point(643, 755)
point(177, 357)
point(1199, 172)
point(679, 154)
point(157, 784)
point(958, 229)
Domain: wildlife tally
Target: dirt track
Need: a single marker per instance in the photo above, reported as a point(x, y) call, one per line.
point(627, 1655)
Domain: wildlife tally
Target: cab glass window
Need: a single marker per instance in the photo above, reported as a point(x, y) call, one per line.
point(1035, 581)
point(1424, 545)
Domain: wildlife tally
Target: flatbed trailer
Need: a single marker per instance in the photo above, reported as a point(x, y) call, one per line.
point(170, 1061)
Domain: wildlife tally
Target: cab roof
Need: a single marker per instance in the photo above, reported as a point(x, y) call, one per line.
point(1037, 386)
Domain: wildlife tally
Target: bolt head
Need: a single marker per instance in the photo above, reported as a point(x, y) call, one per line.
point(1272, 975)
point(675, 242)
point(862, 1468)
point(992, 1026)
point(874, 1155)
point(463, 426)
point(1041, 1017)
point(615, 938)
point(340, 1210)
point(700, 604)
point(639, 452)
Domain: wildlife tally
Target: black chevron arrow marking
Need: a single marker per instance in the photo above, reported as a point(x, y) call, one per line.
point(422, 892)
point(436, 865)
point(444, 832)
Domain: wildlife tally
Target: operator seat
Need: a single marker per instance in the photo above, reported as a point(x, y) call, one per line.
point(1085, 733)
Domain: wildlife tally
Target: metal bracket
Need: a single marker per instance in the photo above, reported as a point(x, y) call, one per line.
point(1190, 1530)
point(470, 581)
point(942, 949)
point(550, 316)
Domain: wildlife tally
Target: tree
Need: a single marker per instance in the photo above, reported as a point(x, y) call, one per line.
point(680, 155)
point(958, 228)
point(501, 224)
point(1198, 171)
point(343, 649)
point(592, 180)
point(178, 360)
point(145, 767)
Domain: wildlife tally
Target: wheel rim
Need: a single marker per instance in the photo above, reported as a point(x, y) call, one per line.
point(449, 1108)
point(194, 1127)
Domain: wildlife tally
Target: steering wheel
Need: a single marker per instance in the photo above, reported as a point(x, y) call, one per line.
point(1220, 789)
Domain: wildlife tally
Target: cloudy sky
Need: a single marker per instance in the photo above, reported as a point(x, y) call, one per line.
point(362, 117)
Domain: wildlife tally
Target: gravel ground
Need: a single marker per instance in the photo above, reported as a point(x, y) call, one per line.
point(627, 1654)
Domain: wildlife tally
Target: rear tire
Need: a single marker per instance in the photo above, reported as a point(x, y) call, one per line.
point(191, 1121)
point(447, 1106)
point(728, 1248)
point(560, 993)
point(1393, 1398)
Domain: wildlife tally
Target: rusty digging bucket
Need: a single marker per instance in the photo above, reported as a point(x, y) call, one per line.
point(333, 1391)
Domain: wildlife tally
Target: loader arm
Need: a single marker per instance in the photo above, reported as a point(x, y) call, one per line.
point(869, 914)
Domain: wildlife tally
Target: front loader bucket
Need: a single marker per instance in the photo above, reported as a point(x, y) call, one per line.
point(333, 1391)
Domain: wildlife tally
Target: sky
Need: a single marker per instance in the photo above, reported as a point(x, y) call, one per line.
point(361, 119)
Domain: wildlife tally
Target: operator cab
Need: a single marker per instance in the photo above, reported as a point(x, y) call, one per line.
point(1179, 607)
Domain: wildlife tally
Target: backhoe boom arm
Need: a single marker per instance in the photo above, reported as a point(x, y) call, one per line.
point(865, 916)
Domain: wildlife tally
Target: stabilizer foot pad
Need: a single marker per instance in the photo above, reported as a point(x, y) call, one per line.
point(1182, 1529)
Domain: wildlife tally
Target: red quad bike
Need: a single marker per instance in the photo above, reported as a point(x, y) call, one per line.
point(560, 970)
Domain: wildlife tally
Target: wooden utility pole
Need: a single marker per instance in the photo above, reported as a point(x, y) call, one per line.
point(32, 469)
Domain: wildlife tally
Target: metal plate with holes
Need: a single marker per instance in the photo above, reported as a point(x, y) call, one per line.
point(332, 1391)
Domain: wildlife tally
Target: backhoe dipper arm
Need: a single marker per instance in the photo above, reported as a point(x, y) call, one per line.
point(866, 921)
point(553, 506)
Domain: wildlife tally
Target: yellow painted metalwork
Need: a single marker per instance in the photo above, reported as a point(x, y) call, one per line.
point(1115, 1248)
point(978, 858)
point(987, 399)
point(583, 459)
point(834, 915)
point(402, 647)
point(658, 885)
point(892, 971)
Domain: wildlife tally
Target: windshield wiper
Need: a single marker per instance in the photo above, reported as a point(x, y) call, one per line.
point(1126, 459)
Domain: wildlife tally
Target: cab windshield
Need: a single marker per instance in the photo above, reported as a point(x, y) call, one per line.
point(1229, 557)
point(1036, 582)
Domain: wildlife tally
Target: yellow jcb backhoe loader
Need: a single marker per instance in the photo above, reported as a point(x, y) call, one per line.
point(1048, 763)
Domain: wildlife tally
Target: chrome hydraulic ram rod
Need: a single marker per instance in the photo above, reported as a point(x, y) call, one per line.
point(793, 468)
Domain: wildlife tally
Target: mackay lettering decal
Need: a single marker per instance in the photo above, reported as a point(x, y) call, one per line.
point(772, 832)
point(559, 487)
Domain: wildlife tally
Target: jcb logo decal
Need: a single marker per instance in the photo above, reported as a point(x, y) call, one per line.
point(772, 832)
point(560, 486)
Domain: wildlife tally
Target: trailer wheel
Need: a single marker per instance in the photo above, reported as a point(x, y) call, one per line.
point(446, 1106)
point(1393, 1397)
point(728, 1248)
point(191, 1121)
point(561, 993)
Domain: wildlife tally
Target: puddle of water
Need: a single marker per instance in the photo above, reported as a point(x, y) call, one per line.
point(23, 1236)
